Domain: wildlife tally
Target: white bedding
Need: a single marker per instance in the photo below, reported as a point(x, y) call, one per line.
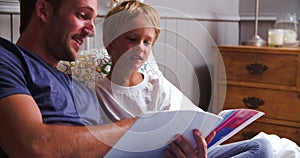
point(282, 147)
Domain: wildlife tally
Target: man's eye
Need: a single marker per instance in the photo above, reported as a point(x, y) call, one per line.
point(82, 15)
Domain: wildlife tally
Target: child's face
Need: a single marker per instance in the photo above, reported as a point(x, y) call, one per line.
point(132, 48)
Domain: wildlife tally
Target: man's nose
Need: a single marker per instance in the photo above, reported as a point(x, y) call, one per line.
point(89, 28)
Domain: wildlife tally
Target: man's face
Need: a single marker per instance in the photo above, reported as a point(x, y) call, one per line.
point(67, 29)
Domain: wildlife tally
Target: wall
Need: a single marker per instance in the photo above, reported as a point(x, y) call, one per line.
point(186, 47)
point(214, 12)
point(202, 9)
point(268, 10)
point(9, 19)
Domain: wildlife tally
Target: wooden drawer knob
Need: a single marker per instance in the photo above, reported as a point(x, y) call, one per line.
point(256, 68)
point(253, 102)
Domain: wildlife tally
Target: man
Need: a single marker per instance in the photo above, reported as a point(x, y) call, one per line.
point(40, 113)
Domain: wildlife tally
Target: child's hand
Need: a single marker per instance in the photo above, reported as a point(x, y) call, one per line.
point(182, 148)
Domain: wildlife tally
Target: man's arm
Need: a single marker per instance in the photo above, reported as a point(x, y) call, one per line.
point(23, 133)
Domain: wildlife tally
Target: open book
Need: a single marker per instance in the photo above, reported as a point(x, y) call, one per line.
point(152, 132)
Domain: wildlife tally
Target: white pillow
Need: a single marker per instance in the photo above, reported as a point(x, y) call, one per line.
point(94, 64)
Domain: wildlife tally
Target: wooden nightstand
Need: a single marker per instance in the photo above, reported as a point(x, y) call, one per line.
point(266, 79)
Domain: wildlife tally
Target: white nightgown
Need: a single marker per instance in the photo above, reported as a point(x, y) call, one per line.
point(154, 93)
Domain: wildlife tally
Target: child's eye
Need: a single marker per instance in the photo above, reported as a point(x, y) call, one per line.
point(131, 39)
point(148, 42)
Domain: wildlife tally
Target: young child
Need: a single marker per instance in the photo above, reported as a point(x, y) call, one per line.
point(129, 32)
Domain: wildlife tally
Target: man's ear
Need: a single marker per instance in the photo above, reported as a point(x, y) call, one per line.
point(43, 10)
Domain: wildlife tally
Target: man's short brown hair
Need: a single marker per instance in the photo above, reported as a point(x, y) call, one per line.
point(27, 7)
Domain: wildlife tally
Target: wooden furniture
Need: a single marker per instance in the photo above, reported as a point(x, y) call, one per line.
point(266, 79)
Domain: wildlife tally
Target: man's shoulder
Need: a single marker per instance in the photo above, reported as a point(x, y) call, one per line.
point(9, 51)
point(3, 41)
point(6, 44)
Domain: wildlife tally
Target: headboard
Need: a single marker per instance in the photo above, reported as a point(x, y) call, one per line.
point(185, 52)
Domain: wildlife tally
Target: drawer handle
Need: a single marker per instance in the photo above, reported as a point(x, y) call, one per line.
point(256, 69)
point(253, 102)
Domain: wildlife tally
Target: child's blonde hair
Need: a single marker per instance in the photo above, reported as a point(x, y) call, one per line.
point(121, 14)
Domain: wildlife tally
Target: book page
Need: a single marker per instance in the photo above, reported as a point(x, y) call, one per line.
point(234, 120)
point(151, 133)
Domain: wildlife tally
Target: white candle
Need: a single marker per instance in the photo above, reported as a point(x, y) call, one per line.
point(275, 37)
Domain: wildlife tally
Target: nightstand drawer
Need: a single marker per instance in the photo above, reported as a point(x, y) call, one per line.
point(257, 127)
point(266, 79)
point(266, 68)
point(272, 102)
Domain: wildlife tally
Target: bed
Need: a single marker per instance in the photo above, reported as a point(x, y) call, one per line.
point(94, 64)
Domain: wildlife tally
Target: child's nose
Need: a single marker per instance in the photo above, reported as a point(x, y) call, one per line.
point(140, 47)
